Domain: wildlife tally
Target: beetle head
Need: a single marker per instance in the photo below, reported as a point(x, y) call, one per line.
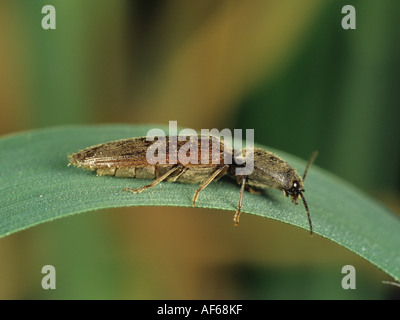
point(296, 188)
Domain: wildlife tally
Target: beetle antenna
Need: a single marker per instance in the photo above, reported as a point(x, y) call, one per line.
point(308, 212)
point(310, 161)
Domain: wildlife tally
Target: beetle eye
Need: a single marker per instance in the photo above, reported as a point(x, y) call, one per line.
point(295, 184)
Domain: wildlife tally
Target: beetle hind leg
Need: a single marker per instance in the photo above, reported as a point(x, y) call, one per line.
point(155, 182)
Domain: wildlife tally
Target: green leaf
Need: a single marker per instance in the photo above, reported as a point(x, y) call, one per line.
point(38, 186)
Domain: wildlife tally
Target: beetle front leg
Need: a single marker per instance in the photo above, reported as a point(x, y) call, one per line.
point(240, 204)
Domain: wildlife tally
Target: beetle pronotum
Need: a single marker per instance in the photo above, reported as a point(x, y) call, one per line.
point(127, 158)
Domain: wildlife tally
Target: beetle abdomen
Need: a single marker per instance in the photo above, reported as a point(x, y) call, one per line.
point(186, 174)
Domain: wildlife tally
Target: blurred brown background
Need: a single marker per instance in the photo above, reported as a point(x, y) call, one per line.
point(284, 68)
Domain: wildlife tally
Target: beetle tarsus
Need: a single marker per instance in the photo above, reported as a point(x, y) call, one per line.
point(236, 218)
point(135, 190)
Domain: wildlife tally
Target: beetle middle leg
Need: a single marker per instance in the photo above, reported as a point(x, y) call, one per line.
point(220, 171)
point(155, 182)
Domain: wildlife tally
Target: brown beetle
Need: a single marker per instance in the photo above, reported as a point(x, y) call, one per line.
point(128, 158)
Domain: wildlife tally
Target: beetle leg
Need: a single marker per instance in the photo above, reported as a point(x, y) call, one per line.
point(208, 181)
point(173, 179)
point(253, 190)
point(155, 182)
point(240, 204)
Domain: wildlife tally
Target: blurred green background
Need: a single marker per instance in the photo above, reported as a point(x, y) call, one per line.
point(284, 68)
